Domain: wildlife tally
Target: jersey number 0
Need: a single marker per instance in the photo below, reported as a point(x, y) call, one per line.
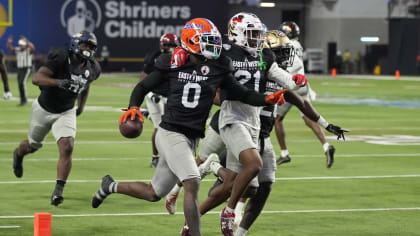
point(196, 90)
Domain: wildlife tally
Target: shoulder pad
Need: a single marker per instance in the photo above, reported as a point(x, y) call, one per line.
point(163, 62)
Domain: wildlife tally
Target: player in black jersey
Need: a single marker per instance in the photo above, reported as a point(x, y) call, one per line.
point(3, 73)
point(65, 77)
point(156, 101)
point(192, 88)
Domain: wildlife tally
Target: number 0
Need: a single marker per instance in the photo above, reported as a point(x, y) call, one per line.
point(187, 88)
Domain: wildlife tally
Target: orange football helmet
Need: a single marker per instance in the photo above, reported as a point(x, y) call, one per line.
point(200, 36)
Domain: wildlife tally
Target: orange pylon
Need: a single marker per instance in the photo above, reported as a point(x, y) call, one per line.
point(42, 224)
point(397, 74)
point(333, 72)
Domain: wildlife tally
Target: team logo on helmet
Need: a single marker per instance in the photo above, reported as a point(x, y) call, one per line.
point(87, 73)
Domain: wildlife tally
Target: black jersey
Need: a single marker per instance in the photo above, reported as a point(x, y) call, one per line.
point(150, 60)
point(57, 100)
point(192, 88)
point(149, 67)
point(267, 114)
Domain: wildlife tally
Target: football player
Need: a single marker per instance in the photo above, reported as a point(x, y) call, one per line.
point(192, 88)
point(65, 77)
point(3, 72)
point(291, 29)
point(155, 102)
point(239, 121)
point(213, 143)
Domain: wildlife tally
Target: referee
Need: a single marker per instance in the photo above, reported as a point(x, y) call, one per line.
point(23, 52)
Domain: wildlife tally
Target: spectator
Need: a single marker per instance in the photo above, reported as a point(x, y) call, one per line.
point(3, 71)
point(347, 62)
point(105, 57)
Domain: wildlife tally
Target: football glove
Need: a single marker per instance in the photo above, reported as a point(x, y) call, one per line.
point(300, 80)
point(131, 112)
point(179, 57)
point(276, 98)
point(337, 130)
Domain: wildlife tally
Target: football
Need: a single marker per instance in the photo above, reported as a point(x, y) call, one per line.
point(131, 128)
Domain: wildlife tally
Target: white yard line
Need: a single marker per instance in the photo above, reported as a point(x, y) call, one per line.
point(216, 212)
point(210, 180)
point(9, 226)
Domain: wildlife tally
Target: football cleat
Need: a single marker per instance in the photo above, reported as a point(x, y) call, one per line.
point(330, 156)
point(7, 95)
point(56, 199)
point(185, 231)
point(17, 164)
point(227, 222)
point(282, 160)
point(170, 203)
point(154, 162)
point(205, 168)
point(108, 186)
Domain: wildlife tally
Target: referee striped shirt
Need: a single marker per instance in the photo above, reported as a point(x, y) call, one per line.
point(23, 57)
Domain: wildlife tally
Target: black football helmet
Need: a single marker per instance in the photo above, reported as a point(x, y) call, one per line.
point(291, 29)
point(86, 38)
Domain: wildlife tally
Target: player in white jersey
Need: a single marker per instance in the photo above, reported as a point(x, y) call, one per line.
point(291, 29)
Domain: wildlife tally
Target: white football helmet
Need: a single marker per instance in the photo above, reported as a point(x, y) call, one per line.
point(247, 31)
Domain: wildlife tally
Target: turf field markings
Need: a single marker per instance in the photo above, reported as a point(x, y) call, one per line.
point(147, 158)
point(217, 212)
point(87, 142)
point(211, 180)
point(9, 226)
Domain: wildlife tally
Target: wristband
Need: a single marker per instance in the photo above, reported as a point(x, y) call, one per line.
point(322, 122)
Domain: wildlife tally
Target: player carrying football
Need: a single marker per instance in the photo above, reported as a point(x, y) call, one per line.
point(156, 101)
point(192, 88)
point(65, 77)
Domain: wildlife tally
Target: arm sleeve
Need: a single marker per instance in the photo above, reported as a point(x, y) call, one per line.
point(281, 77)
point(297, 67)
point(146, 85)
point(239, 92)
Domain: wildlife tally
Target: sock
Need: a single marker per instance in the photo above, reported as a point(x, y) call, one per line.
point(238, 208)
point(59, 186)
point(113, 187)
point(325, 146)
point(322, 122)
point(155, 156)
point(214, 167)
point(176, 189)
point(284, 153)
point(229, 210)
point(241, 231)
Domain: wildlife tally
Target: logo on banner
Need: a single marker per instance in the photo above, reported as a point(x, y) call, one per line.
point(79, 15)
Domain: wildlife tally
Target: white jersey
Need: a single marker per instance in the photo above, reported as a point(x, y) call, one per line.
point(298, 48)
point(247, 72)
point(297, 67)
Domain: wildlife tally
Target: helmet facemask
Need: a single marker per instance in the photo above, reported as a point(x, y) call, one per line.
point(211, 46)
point(247, 31)
point(285, 55)
point(254, 40)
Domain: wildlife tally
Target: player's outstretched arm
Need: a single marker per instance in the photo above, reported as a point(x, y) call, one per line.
point(306, 108)
point(239, 92)
point(151, 81)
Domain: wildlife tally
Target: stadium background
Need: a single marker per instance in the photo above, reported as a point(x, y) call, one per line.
point(329, 25)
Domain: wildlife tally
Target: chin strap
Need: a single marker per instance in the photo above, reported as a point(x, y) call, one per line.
point(261, 64)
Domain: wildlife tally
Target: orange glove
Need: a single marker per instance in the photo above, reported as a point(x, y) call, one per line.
point(281, 100)
point(132, 111)
point(276, 97)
